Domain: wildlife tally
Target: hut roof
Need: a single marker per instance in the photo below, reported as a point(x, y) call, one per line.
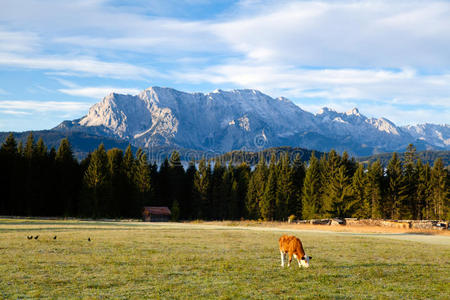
point(158, 210)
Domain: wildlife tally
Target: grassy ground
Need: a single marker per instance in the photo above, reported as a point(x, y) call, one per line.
point(186, 261)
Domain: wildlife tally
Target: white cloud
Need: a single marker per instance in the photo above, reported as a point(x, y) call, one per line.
point(16, 41)
point(305, 33)
point(26, 106)
point(14, 112)
point(382, 34)
point(98, 92)
point(401, 87)
point(403, 116)
point(344, 34)
point(78, 65)
point(367, 53)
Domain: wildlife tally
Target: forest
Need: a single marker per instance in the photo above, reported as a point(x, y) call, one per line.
point(37, 181)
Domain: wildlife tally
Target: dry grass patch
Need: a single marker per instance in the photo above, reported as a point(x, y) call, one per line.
point(337, 228)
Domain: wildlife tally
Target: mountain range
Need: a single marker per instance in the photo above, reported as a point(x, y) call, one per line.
point(222, 121)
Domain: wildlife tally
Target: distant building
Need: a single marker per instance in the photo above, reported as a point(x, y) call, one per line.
point(156, 214)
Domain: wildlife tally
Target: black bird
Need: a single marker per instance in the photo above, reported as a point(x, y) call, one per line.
point(89, 239)
point(36, 237)
point(54, 237)
point(29, 237)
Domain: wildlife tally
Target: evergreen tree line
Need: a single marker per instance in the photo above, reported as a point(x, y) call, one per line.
point(36, 181)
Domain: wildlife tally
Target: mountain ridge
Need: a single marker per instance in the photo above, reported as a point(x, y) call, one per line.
point(246, 119)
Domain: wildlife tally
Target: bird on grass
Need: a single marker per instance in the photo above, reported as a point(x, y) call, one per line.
point(36, 237)
point(54, 237)
point(89, 239)
point(29, 237)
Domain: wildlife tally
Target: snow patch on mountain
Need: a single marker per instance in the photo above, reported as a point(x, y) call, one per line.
point(432, 133)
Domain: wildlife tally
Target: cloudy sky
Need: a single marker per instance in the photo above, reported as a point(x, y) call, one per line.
point(388, 58)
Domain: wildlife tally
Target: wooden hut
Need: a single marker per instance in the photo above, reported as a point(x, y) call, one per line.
point(156, 214)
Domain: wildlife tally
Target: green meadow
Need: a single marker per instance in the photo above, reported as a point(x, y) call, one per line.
point(195, 261)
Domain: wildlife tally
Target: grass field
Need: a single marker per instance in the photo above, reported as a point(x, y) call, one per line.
point(190, 261)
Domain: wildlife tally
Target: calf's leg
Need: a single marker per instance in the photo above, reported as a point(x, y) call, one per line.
point(298, 260)
point(290, 259)
point(282, 258)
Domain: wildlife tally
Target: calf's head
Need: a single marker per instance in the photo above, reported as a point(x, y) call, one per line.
point(305, 261)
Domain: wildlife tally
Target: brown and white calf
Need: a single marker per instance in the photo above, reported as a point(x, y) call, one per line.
point(293, 246)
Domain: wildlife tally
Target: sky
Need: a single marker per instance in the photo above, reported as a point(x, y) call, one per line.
point(387, 58)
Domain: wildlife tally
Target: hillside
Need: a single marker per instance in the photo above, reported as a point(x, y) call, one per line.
point(82, 143)
point(252, 158)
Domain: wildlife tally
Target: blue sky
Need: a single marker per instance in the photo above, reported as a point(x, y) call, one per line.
point(388, 58)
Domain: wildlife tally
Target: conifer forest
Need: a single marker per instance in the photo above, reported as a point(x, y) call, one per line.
point(37, 181)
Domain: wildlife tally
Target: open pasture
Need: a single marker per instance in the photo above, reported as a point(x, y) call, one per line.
point(190, 261)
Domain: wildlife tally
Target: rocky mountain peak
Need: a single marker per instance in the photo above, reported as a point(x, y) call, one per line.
point(244, 119)
point(354, 112)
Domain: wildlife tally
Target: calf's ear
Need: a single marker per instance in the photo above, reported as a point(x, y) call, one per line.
point(303, 258)
point(310, 257)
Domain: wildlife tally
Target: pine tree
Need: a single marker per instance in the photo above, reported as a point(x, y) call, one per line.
point(67, 180)
point(234, 206)
point(256, 189)
point(9, 146)
point(142, 181)
point(268, 202)
point(359, 186)
point(30, 147)
point(285, 188)
point(374, 189)
point(218, 190)
point(175, 211)
point(241, 180)
point(177, 180)
point(163, 190)
point(28, 202)
point(329, 170)
point(423, 191)
point(228, 194)
point(97, 183)
point(20, 151)
point(439, 190)
point(410, 156)
point(340, 194)
point(409, 210)
point(42, 183)
point(9, 158)
point(202, 179)
point(311, 190)
point(118, 180)
point(396, 188)
point(130, 204)
point(297, 179)
point(350, 164)
point(187, 206)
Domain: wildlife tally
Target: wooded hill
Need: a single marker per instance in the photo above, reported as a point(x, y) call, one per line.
point(81, 143)
point(428, 156)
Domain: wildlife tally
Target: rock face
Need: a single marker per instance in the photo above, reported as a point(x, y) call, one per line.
point(221, 121)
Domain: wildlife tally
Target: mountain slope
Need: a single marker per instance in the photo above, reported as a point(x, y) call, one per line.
point(438, 135)
point(222, 121)
point(217, 121)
